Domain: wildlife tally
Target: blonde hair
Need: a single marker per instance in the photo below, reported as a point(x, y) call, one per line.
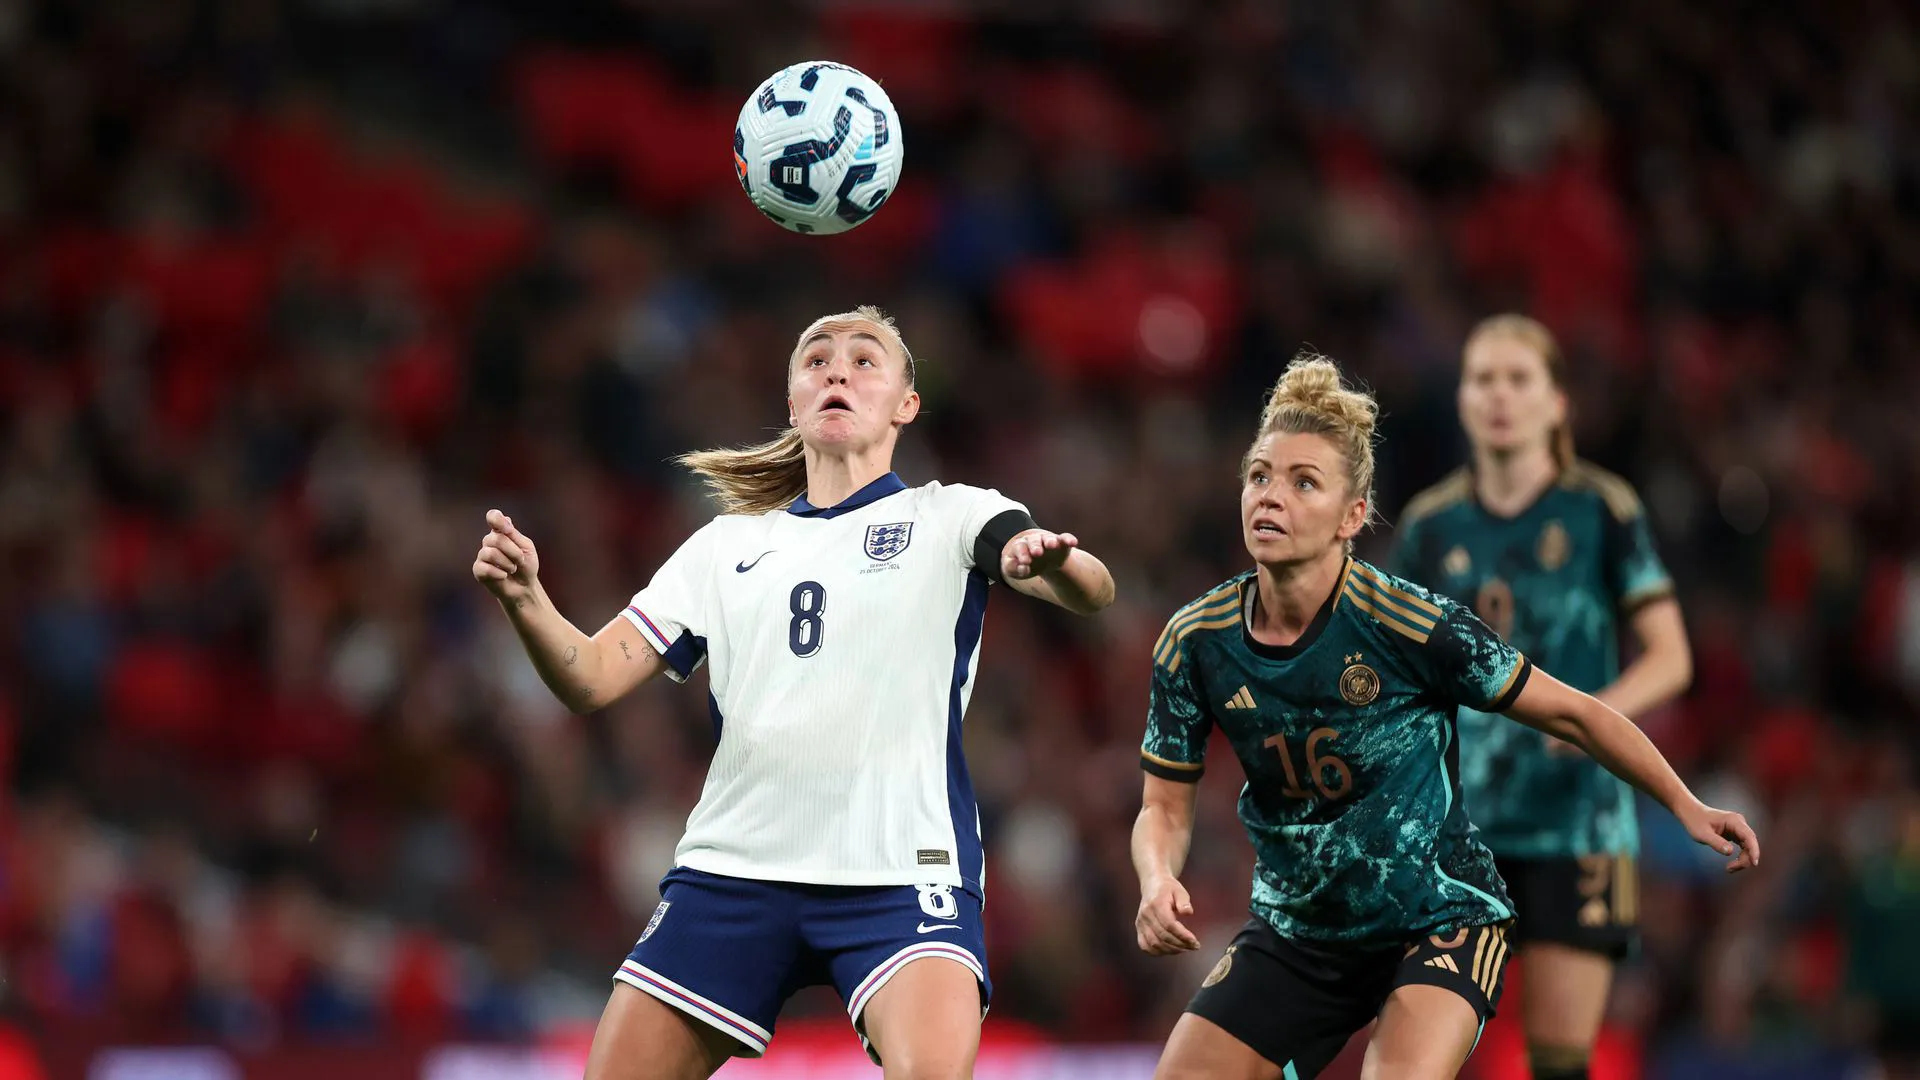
point(1533, 334)
point(1312, 398)
point(770, 475)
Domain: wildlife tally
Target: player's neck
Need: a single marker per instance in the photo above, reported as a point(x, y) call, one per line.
point(1506, 484)
point(832, 477)
point(1290, 596)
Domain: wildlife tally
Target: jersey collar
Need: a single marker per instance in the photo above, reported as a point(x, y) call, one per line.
point(1308, 636)
point(1473, 489)
point(879, 489)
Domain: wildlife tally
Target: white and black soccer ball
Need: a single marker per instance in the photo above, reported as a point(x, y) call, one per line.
point(817, 147)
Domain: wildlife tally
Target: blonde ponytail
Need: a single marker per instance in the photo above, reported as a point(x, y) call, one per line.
point(753, 479)
point(1312, 398)
point(769, 476)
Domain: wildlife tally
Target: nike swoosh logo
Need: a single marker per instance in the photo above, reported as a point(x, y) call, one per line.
point(746, 566)
point(926, 928)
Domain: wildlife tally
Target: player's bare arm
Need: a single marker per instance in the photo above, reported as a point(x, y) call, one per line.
point(1612, 740)
point(1161, 836)
point(1664, 667)
point(1051, 566)
point(584, 673)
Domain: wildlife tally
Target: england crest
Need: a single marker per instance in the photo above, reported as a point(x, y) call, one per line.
point(654, 922)
point(886, 541)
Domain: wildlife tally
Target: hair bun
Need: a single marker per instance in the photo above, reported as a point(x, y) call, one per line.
point(1313, 388)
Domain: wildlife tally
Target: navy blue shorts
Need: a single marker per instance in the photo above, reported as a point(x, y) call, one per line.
point(730, 951)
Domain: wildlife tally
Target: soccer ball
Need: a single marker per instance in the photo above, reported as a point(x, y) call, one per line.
point(817, 147)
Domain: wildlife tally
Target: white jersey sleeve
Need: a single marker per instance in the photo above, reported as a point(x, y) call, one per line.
point(973, 508)
point(672, 612)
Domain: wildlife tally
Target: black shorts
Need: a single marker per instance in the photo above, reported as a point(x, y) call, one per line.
point(1296, 1004)
point(1589, 902)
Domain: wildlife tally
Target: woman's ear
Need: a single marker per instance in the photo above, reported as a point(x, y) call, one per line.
point(1355, 520)
point(909, 408)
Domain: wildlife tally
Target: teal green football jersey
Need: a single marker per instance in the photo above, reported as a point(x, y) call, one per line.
point(1348, 741)
point(1555, 581)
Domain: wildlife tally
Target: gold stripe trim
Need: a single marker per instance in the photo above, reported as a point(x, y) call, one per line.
point(1492, 977)
point(1182, 623)
point(1387, 588)
point(1512, 677)
point(1211, 599)
point(1480, 952)
point(1198, 607)
point(1173, 662)
point(1225, 603)
point(1340, 587)
point(1394, 604)
point(1382, 604)
point(1396, 624)
point(1622, 501)
point(1205, 598)
point(1185, 766)
point(1171, 637)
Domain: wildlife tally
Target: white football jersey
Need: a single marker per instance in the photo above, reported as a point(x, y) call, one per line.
point(841, 644)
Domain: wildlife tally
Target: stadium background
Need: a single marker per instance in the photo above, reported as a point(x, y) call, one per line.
point(292, 290)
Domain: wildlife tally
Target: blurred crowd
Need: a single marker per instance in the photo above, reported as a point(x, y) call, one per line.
point(292, 291)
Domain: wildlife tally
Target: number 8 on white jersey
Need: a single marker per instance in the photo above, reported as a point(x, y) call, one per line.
point(841, 644)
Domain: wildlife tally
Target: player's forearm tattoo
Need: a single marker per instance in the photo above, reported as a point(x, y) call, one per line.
point(573, 653)
point(626, 652)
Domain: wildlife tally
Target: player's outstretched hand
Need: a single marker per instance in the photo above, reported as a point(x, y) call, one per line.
point(1725, 832)
point(1035, 552)
point(508, 564)
point(1157, 928)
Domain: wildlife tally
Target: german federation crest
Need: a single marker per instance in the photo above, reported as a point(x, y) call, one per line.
point(886, 541)
point(1359, 684)
point(1220, 969)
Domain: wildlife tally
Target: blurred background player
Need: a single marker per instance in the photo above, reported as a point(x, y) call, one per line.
point(837, 839)
point(1338, 687)
point(1556, 555)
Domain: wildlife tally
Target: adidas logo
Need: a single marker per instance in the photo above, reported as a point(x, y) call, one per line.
point(1242, 699)
point(1444, 963)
